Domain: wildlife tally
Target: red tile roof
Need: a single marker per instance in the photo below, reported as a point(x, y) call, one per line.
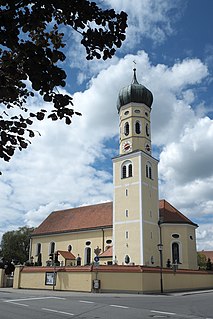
point(169, 214)
point(96, 217)
point(75, 219)
point(66, 254)
point(107, 253)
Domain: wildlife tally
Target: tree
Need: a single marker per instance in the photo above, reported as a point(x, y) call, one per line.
point(15, 245)
point(32, 50)
point(201, 260)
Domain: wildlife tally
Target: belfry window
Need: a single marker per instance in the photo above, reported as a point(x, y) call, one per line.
point(126, 169)
point(137, 127)
point(149, 170)
point(126, 129)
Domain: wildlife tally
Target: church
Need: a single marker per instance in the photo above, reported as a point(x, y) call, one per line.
point(136, 228)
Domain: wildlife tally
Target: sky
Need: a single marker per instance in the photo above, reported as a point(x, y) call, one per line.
point(68, 166)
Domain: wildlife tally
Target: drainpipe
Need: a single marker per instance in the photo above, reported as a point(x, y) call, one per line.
point(102, 240)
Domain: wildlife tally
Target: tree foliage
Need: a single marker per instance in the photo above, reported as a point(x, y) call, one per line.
point(201, 260)
point(15, 245)
point(31, 53)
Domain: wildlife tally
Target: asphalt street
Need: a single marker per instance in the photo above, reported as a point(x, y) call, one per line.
point(19, 304)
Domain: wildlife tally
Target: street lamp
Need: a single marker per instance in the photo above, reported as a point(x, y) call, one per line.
point(160, 248)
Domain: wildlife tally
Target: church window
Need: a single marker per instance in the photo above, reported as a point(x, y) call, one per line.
point(137, 111)
point(137, 127)
point(175, 253)
point(149, 170)
point(88, 243)
point(126, 192)
point(127, 235)
point(38, 249)
point(52, 248)
point(108, 241)
point(191, 237)
point(126, 213)
point(147, 129)
point(126, 112)
point(126, 129)
point(87, 256)
point(126, 169)
point(146, 114)
point(69, 248)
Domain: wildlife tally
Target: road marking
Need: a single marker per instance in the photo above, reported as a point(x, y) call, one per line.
point(19, 304)
point(163, 312)
point(34, 298)
point(117, 306)
point(85, 301)
point(57, 311)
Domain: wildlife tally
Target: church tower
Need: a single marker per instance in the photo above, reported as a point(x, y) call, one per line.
point(135, 178)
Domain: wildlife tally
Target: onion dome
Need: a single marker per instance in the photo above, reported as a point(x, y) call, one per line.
point(135, 92)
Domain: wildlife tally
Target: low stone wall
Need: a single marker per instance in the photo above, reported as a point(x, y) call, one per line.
point(132, 279)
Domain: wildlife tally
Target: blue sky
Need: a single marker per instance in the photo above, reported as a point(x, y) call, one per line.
point(171, 42)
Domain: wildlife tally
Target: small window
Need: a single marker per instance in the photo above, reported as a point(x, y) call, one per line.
point(191, 237)
point(126, 112)
point(108, 241)
point(149, 170)
point(127, 259)
point(88, 243)
point(126, 213)
point(137, 111)
point(130, 170)
point(69, 248)
point(127, 235)
point(126, 129)
point(175, 235)
point(147, 129)
point(126, 192)
point(137, 127)
point(146, 114)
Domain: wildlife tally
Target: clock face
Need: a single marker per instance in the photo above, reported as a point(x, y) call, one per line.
point(127, 146)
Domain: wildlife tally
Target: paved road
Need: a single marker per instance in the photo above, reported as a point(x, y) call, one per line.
point(19, 304)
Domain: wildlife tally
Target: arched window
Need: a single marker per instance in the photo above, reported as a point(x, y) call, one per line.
point(148, 170)
point(38, 249)
point(126, 169)
point(175, 253)
point(52, 248)
point(126, 129)
point(147, 129)
point(137, 127)
point(87, 256)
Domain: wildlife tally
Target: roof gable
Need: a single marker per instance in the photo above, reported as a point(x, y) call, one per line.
point(169, 214)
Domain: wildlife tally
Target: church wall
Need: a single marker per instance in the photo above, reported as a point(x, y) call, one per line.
point(76, 239)
point(187, 246)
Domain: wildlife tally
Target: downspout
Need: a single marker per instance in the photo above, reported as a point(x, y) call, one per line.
point(102, 240)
